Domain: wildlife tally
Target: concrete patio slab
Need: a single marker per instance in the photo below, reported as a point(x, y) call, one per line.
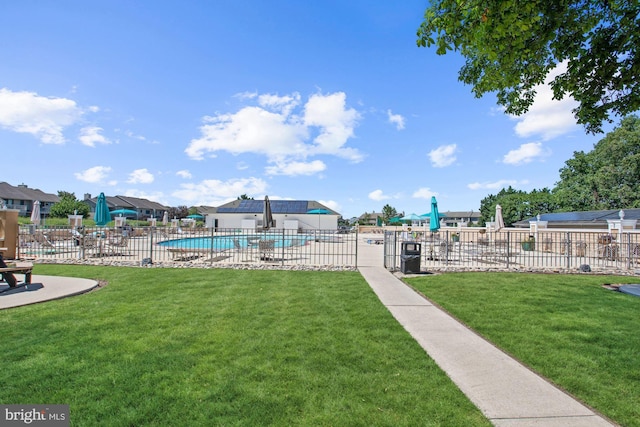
point(43, 288)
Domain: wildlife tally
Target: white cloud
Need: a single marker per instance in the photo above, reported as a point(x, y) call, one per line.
point(335, 122)
point(443, 155)
point(184, 174)
point(497, 185)
point(283, 104)
point(140, 176)
point(378, 195)
point(547, 117)
point(424, 193)
point(396, 119)
point(525, 154)
point(132, 135)
point(333, 205)
point(45, 118)
point(90, 135)
point(96, 174)
point(213, 192)
point(274, 130)
point(296, 168)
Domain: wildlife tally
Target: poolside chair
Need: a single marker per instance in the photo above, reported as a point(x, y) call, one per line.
point(43, 240)
point(266, 249)
point(90, 243)
point(117, 245)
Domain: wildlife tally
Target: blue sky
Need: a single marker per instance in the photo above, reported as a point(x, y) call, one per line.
point(197, 102)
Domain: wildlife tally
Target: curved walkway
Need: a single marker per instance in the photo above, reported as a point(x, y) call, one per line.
point(43, 288)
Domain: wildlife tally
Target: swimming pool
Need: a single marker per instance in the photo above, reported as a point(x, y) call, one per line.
point(222, 243)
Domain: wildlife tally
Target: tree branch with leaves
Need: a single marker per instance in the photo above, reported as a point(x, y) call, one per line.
point(511, 47)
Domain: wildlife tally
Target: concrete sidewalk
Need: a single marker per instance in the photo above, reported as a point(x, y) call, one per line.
point(508, 393)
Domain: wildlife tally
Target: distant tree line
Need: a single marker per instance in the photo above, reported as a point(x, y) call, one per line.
point(607, 177)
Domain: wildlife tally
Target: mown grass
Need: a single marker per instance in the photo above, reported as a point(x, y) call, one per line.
point(568, 328)
point(224, 347)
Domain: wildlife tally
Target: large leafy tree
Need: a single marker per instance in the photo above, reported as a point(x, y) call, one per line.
point(608, 177)
point(511, 46)
point(68, 205)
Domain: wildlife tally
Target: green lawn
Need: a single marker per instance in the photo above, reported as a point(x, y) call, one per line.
point(224, 347)
point(568, 328)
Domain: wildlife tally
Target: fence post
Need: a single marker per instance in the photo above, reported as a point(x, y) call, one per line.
point(446, 251)
point(568, 240)
point(356, 260)
point(282, 246)
point(628, 250)
point(508, 244)
point(152, 232)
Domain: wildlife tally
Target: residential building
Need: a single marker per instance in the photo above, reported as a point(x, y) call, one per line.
point(457, 218)
point(603, 219)
point(372, 219)
point(287, 214)
point(144, 208)
point(22, 197)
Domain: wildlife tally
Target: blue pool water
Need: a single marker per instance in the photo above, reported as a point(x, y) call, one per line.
point(221, 243)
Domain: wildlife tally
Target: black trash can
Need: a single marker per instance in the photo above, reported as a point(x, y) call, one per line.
point(410, 257)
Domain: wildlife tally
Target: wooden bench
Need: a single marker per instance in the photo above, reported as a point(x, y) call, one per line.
point(7, 274)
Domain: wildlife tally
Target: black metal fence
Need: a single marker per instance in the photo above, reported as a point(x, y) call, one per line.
point(196, 245)
point(518, 249)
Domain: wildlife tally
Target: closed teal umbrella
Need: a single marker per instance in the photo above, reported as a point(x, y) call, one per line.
point(434, 216)
point(102, 215)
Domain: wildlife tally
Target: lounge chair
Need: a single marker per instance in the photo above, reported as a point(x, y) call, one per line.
point(266, 249)
point(89, 243)
point(43, 240)
point(117, 245)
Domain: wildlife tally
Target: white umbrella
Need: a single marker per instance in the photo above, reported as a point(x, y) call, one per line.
point(499, 220)
point(35, 213)
point(165, 218)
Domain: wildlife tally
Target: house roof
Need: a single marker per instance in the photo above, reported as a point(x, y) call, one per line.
point(22, 192)
point(127, 202)
point(138, 203)
point(461, 214)
point(277, 207)
point(371, 215)
point(585, 218)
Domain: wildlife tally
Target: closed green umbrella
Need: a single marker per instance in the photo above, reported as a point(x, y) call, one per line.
point(102, 215)
point(434, 216)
